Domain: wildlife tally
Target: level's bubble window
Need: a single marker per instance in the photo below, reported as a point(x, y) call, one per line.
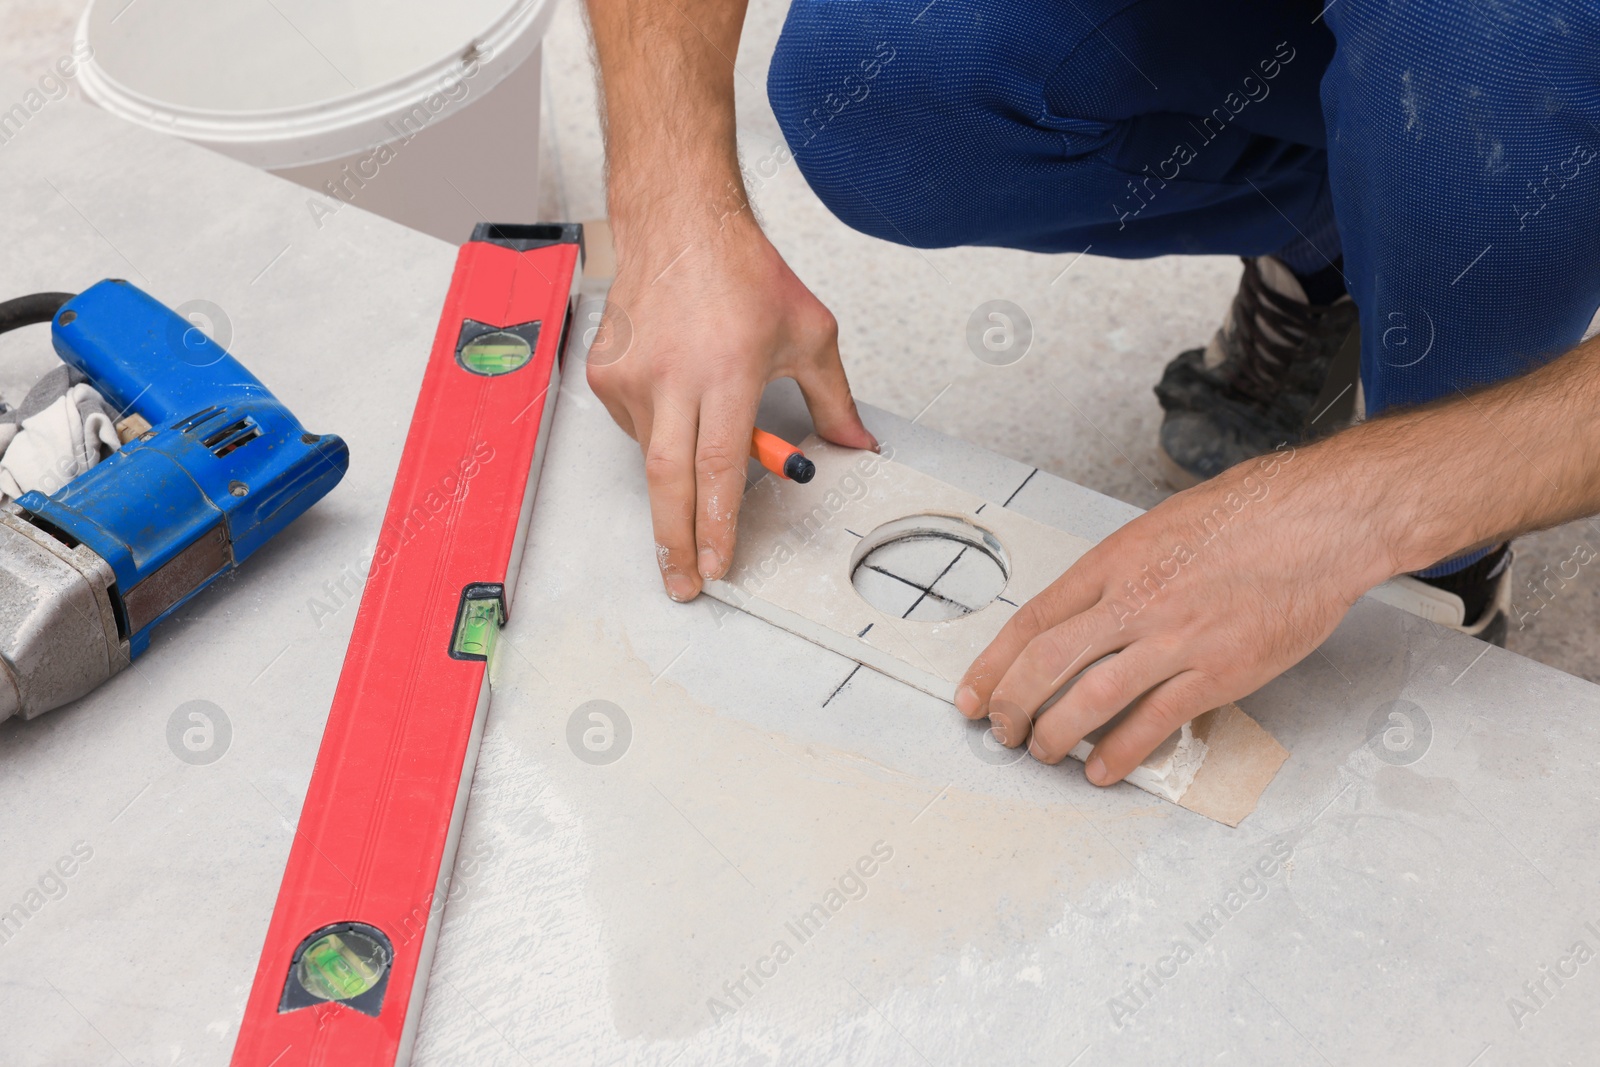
point(495, 353)
point(343, 965)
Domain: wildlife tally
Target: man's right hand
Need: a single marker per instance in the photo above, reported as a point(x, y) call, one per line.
point(703, 312)
point(695, 327)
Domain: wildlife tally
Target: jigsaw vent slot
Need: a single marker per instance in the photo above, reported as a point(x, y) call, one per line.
point(199, 419)
point(232, 437)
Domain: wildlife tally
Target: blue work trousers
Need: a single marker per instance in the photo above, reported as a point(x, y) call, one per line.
point(1448, 150)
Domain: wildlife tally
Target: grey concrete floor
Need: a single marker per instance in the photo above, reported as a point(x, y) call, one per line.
point(1078, 404)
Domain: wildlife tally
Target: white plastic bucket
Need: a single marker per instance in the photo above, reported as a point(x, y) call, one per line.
point(425, 112)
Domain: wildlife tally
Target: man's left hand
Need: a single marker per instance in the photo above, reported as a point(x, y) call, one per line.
point(1199, 601)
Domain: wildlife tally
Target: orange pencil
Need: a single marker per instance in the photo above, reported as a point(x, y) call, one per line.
point(780, 457)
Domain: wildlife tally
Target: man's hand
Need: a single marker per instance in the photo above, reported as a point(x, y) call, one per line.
point(1203, 599)
point(703, 312)
point(711, 324)
point(1219, 589)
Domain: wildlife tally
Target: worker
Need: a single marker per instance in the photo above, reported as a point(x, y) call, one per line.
point(1429, 169)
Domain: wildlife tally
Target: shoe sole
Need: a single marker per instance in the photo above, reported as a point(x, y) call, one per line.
point(1495, 633)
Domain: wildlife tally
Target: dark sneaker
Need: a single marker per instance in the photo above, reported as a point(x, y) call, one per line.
point(1253, 387)
point(1475, 600)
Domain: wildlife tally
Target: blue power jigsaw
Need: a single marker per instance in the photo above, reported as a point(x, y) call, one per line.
point(216, 467)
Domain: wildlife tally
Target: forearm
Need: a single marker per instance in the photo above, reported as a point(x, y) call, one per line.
point(666, 73)
point(1475, 468)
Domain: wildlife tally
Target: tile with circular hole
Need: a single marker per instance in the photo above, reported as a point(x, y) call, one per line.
point(913, 577)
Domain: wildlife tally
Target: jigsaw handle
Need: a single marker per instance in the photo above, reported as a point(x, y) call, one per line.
point(143, 356)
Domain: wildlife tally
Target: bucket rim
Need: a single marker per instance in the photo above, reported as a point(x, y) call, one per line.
point(336, 126)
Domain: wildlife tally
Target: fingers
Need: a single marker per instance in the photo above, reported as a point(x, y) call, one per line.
point(719, 465)
point(1070, 595)
point(1097, 697)
point(603, 373)
point(827, 393)
point(1047, 663)
point(619, 414)
point(1151, 721)
point(669, 469)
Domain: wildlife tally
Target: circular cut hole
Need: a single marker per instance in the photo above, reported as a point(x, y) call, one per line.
point(929, 568)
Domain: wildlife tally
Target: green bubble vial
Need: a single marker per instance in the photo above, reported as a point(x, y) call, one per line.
point(495, 353)
point(339, 967)
point(478, 628)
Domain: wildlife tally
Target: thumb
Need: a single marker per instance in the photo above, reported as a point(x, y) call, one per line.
point(833, 409)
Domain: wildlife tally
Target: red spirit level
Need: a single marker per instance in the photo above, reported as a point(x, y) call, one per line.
point(345, 965)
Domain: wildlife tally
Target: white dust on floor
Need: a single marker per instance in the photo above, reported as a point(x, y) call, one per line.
point(690, 859)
